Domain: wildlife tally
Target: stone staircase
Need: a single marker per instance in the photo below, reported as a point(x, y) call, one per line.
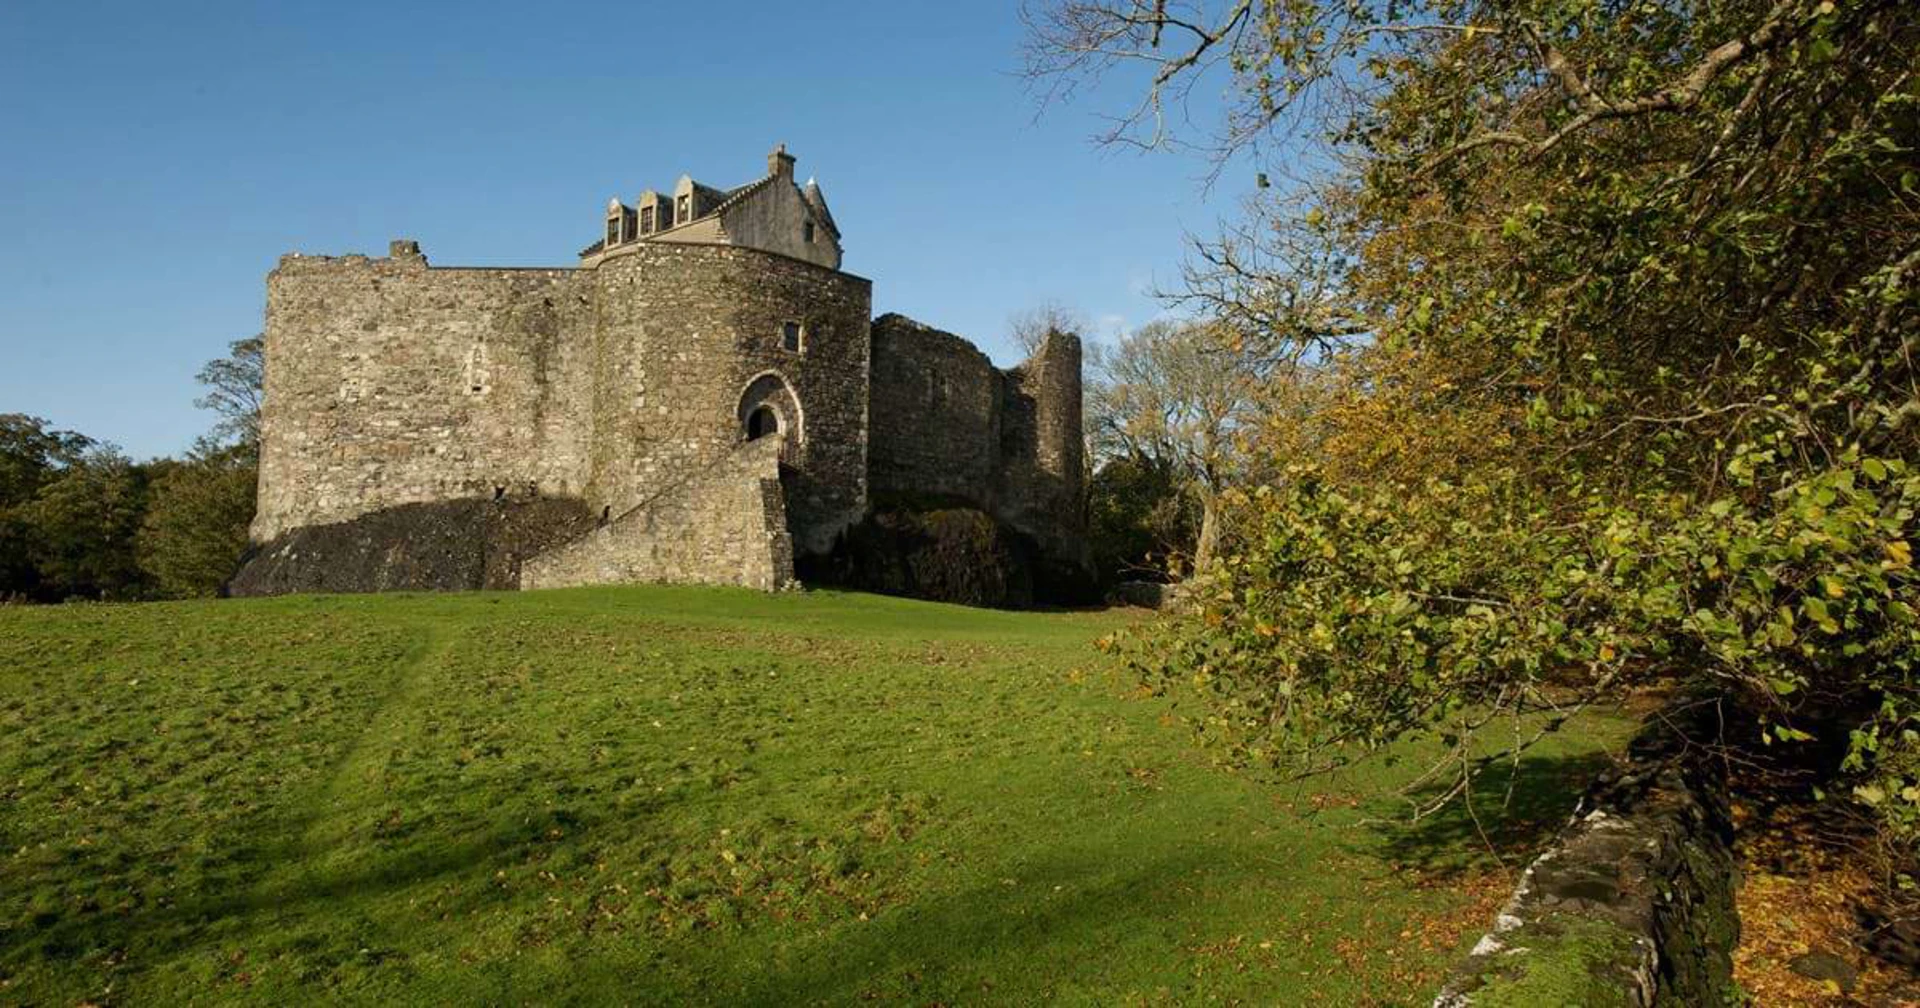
point(726, 526)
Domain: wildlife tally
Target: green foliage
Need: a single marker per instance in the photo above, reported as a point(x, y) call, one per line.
point(235, 385)
point(31, 456)
point(195, 526)
point(1641, 295)
point(77, 530)
point(78, 520)
point(1141, 519)
point(741, 797)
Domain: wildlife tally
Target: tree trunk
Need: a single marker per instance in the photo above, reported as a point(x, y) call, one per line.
point(1204, 546)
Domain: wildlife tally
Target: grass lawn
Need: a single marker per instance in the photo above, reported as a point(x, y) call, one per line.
point(644, 795)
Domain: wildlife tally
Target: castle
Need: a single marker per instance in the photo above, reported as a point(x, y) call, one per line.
point(704, 398)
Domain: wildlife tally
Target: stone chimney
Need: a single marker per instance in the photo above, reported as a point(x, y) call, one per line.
point(780, 163)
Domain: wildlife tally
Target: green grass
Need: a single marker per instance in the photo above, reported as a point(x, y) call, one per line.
point(647, 795)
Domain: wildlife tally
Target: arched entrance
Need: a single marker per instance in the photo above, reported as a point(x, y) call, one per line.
point(762, 422)
point(768, 407)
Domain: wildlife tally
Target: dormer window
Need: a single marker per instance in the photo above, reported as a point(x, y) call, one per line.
point(684, 206)
point(619, 223)
point(646, 220)
point(806, 232)
point(791, 334)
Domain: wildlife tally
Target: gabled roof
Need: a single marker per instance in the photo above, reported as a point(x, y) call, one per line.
point(735, 197)
point(715, 202)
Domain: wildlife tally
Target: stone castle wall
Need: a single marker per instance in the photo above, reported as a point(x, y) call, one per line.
point(684, 331)
point(936, 415)
point(1043, 453)
point(949, 427)
point(390, 382)
point(625, 389)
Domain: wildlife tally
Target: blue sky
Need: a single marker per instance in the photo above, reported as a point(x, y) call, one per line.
point(156, 159)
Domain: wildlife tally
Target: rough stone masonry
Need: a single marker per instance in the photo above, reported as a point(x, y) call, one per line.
point(707, 388)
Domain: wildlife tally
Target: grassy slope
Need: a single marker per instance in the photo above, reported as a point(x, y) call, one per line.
point(647, 795)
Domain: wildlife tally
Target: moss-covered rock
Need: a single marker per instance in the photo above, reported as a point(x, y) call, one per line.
point(1633, 904)
point(1554, 962)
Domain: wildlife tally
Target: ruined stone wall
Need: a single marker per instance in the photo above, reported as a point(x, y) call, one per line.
point(390, 383)
point(936, 408)
point(1043, 455)
point(727, 525)
point(948, 426)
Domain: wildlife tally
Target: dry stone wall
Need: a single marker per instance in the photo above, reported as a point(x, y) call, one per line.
point(1633, 905)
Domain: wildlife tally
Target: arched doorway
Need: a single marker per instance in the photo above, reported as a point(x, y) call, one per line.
point(767, 407)
point(762, 422)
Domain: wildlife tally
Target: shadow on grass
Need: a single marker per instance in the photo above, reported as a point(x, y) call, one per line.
point(289, 879)
point(920, 952)
point(1513, 811)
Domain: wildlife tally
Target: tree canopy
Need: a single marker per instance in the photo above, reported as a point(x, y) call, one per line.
point(1599, 322)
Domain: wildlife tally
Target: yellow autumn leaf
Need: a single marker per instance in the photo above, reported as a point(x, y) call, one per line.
point(1899, 553)
point(1606, 652)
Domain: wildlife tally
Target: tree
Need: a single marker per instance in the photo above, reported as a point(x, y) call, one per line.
point(79, 520)
point(1615, 309)
point(31, 456)
point(235, 388)
point(1174, 394)
point(1140, 519)
point(1029, 328)
point(195, 528)
point(80, 528)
